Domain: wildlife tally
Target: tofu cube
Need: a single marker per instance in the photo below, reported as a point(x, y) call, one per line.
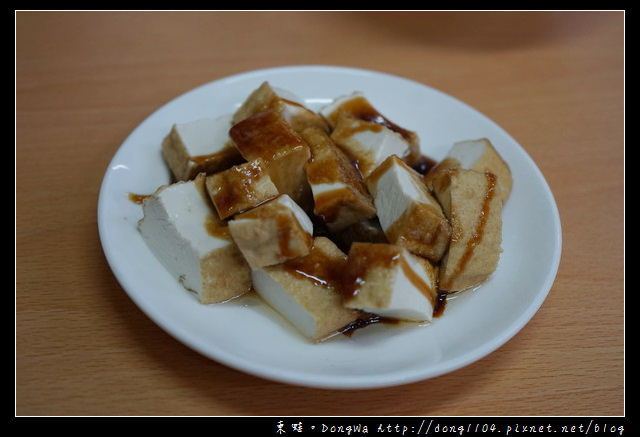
point(273, 232)
point(367, 135)
point(240, 188)
point(199, 146)
point(290, 106)
point(388, 280)
point(339, 194)
point(479, 155)
point(305, 291)
point(472, 202)
point(408, 213)
point(183, 231)
point(267, 136)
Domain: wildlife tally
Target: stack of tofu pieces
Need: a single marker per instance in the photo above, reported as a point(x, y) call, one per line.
point(322, 214)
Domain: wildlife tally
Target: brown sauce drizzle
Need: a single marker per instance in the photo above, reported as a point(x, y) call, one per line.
point(349, 276)
point(478, 233)
point(201, 159)
point(328, 162)
point(285, 233)
point(225, 201)
point(138, 199)
point(371, 319)
point(366, 321)
point(291, 102)
point(264, 135)
point(371, 256)
point(441, 303)
point(327, 205)
point(318, 267)
point(223, 158)
point(408, 231)
point(237, 186)
point(216, 228)
point(417, 281)
point(356, 269)
point(361, 109)
point(329, 172)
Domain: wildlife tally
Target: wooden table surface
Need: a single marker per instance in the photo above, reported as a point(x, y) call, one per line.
point(85, 80)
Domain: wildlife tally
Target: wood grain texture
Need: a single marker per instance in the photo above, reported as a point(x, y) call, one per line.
point(84, 80)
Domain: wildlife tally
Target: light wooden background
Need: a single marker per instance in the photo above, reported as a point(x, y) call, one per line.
point(84, 80)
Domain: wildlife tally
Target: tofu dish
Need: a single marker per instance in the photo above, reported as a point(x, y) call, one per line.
point(334, 218)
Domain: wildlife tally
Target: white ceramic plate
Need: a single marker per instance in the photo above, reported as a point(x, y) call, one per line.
point(247, 335)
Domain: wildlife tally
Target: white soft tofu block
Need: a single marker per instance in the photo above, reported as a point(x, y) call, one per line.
point(471, 199)
point(198, 146)
point(369, 143)
point(394, 191)
point(272, 232)
point(407, 299)
point(329, 111)
point(302, 217)
point(290, 106)
point(408, 213)
point(318, 189)
point(366, 134)
point(339, 193)
point(278, 297)
point(479, 155)
point(291, 111)
point(304, 291)
point(391, 282)
point(467, 153)
point(380, 144)
point(288, 95)
point(204, 136)
point(177, 227)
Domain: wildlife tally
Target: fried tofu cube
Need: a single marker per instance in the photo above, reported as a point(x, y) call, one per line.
point(367, 135)
point(184, 232)
point(267, 136)
point(472, 202)
point(199, 146)
point(240, 188)
point(272, 232)
point(408, 213)
point(479, 155)
point(306, 291)
point(291, 107)
point(339, 193)
point(388, 280)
